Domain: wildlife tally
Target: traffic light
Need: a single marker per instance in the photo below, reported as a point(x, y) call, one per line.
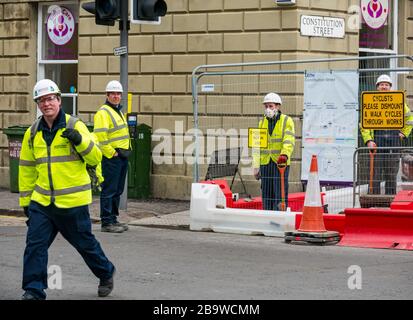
point(148, 11)
point(105, 11)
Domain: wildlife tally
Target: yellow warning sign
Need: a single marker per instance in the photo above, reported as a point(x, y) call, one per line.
point(382, 110)
point(257, 138)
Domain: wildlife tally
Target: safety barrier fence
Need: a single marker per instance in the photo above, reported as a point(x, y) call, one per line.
point(227, 102)
point(381, 173)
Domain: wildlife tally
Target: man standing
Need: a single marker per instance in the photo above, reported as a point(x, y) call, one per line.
point(111, 130)
point(281, 140)
point(55, 191)
point(386, 161)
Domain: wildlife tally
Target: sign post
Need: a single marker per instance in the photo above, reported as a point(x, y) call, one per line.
point(124, 27)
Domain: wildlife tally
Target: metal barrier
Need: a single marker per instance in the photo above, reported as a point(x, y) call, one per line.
point(227, 100)
point(380, 174)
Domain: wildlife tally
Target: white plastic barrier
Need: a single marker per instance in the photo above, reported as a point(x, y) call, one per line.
point(209, 212)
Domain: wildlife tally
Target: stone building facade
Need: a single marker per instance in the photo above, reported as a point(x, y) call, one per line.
point(161, 60)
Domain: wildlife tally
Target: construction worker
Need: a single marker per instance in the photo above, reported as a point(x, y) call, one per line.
point(55, 191)
point(386, 162)
point(281, 140)
point(111, 129)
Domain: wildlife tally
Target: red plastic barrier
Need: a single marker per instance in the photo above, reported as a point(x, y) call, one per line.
point(378, 228)
point(332, 222)
point(223, 184)
point(403, 200)
point(254, 203)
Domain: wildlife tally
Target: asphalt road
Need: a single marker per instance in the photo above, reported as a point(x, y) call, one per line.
point(156, 263)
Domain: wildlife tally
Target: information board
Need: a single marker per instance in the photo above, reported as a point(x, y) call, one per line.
point(330, 124)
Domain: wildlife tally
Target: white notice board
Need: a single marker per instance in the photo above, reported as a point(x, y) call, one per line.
point(330, 124)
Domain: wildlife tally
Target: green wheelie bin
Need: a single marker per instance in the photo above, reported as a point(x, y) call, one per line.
point(139, 166)
point(15, 136)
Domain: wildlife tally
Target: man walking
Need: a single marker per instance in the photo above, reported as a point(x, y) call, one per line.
point(55, 191)
point(111, 130)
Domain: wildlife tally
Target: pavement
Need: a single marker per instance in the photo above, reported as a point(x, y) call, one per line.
point(149, 212)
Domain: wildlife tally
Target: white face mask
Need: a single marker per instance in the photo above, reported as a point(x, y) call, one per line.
point(270, 113)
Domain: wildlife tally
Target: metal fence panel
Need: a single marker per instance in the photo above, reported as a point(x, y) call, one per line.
point(227, 100)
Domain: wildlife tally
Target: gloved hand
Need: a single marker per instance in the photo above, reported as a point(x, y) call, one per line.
point(26, 211)
point(282, 159)
point(73, 136)
point(257, 173)
point(402, 136)
point(371, 144)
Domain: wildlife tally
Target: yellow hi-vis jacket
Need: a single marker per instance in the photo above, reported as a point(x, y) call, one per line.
point(111, 129)
point(56, 173)
point(281, 141)
point(368, 134)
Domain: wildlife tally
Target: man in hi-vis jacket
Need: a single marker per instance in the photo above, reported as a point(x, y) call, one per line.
point(55, 191)
point(112, 132)
point(281, 140)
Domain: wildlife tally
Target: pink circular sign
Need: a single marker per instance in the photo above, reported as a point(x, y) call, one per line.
point(375, 12)
point(60, 25)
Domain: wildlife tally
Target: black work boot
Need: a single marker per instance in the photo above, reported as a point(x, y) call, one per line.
point(105, 287)
point(123, 225)
point(30, 296)
point(112, 228)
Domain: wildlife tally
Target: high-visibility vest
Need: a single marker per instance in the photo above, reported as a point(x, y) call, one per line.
point(281, 141)
point(112, 130)
point(56, 173)
point(368, 134)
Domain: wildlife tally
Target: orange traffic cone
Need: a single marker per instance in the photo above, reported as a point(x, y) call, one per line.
point(312, 229)
point(312, 219)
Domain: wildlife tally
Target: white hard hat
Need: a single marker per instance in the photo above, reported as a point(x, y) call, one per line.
point(45, 87)
point(114, 86)
point(272, 97)
point(384, 78)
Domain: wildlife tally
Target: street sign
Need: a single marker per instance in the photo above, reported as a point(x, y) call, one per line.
point(382, 110)
point(257, 138)
point(119, 51)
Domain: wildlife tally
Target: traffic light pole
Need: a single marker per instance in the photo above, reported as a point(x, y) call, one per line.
point(124, 26)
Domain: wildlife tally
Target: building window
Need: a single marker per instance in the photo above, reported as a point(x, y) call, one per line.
point(58, 48)
point(378, 36)
point(377, 24)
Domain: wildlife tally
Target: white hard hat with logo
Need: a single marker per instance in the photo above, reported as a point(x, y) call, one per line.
point(45, 87)
point(272, 98)
point(114, 86)
point(384, 78)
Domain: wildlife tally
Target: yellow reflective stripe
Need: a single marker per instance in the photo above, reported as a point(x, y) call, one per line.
point(283, 128)
point(72, 157)
point(62, 192)
point(288, 142)
point(270, 151)
point(87, 150)
point(27, 163)
point(25, 193)
point(273, 140)
point(115, 125)
point(290, 133)
point(110, 130)
point(114, 139)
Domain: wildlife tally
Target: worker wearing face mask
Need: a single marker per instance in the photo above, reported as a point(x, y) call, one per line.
point(281, 140)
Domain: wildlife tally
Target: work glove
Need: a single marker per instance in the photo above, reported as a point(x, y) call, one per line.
point(26, 211)
point(257, 173)
point(282, 159)
point(402, 136)
point(371, 144)
point(73, 136)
